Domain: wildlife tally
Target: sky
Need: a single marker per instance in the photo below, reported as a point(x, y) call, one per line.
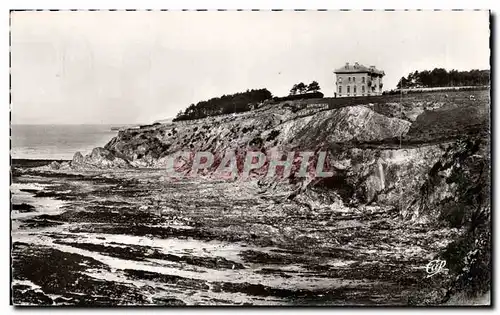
point(121, 67)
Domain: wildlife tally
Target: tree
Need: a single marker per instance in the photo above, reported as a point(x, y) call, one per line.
point(403, 83)
point(293, 91)
point(226, 104)
point(313, 87)
point(440, 77)
point(301, 88)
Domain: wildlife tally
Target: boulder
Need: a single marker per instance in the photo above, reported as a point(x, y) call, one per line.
point(98, 158)
point(99, 154)
point(65, 165)
point(77, 158)
point(54, 165)
point(101, 157)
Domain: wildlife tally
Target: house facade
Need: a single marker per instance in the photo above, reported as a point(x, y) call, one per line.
point(358, 80)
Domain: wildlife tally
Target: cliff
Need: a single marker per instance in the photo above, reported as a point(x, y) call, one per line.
point(387, 151)
point(426, 155)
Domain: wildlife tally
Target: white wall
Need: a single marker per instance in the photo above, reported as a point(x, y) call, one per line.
point(356, 84)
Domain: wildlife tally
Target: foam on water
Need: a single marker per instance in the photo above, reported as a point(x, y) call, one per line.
point(43, 205)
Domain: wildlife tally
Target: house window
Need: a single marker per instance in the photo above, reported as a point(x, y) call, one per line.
point(363, 88)
point(349, 81)
point(363, 80)
point(354, 80)
point(348, 89)
point(354, 90)
point(340, 79)
point(340, 89)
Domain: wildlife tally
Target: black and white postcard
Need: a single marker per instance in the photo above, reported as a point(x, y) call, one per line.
point(250, 158)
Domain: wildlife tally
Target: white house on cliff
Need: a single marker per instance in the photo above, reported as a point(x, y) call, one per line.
point(358, 80)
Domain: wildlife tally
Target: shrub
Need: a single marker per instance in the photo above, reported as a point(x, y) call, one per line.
point(257, 141)
point(299, 97)
point(272, 135)
point(226, 104)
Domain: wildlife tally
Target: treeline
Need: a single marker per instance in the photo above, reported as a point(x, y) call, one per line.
point(301, 88)
point(226, 104)
point(439, 77)
point(299, 96)
point(436, 89)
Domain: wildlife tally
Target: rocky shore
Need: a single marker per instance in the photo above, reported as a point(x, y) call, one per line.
point(411, 185)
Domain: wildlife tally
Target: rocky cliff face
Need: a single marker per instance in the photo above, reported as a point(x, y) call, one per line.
point(395, 154)
point(98, 158)
point(274, 127)
point(426, 156)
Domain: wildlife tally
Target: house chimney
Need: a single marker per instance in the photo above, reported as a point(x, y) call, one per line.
point(346, 65)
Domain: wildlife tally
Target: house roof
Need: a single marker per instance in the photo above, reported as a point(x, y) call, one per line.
point(357, 68)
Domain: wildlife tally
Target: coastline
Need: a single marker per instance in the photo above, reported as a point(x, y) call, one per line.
point(365, 238)
point(235, 253)
point(35, 162)
point(57, 142)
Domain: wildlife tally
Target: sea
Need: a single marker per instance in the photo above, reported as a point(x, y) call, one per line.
point(57, 142)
